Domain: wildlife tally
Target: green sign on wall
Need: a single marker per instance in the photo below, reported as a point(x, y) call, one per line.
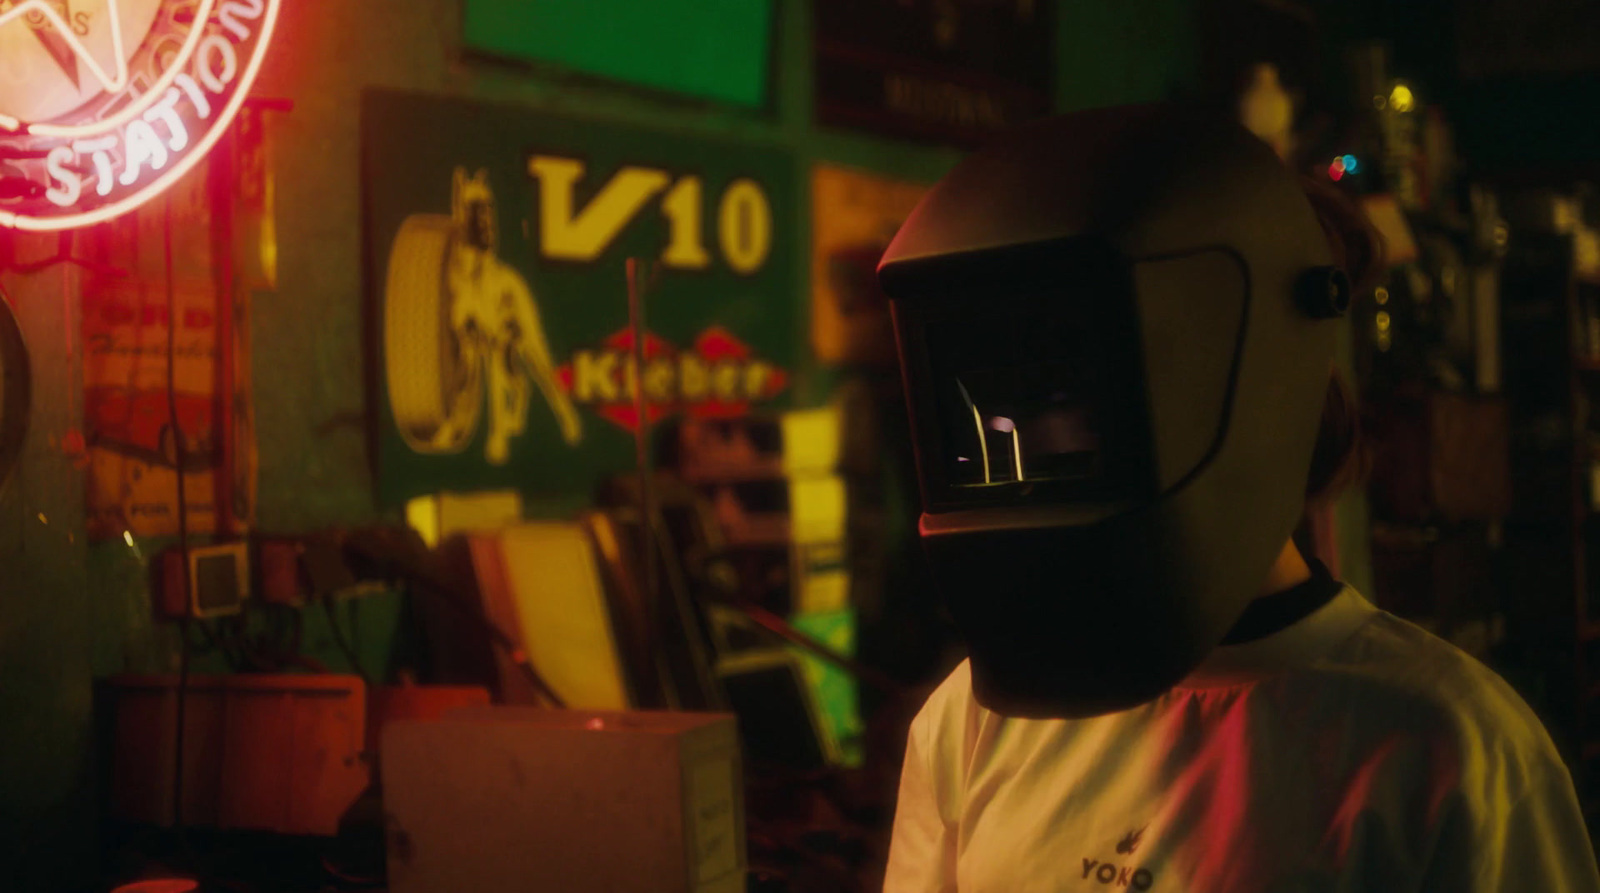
point(711, 49)
point(497, 242)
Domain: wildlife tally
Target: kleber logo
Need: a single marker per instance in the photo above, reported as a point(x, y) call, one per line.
point(105, 103)
point(718, 377)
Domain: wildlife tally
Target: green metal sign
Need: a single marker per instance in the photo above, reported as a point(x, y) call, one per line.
point(711, 49)
point(497, 243)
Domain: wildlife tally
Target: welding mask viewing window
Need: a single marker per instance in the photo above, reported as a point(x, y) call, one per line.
point(1115, 373)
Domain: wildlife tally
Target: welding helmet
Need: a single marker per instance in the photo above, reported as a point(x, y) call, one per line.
point(1116, 330)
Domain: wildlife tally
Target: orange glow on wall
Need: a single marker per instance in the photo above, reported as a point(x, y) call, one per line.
point(106, 103)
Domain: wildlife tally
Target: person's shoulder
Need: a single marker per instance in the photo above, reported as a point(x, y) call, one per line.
point(1406, 675)
point(1481, 752)
point(1400, 654)
point(951, 698)
point(949, 711)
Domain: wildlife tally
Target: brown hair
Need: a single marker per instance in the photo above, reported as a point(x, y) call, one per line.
point(1341, 457)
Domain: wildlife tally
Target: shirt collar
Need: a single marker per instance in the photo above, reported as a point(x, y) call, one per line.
point(1270, 613)
point(1299, 644)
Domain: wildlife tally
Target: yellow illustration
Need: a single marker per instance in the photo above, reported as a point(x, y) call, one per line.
point(456, 319)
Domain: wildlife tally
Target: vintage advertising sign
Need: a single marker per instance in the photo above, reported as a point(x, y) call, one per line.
point(954, 71)
point(498, 249)
point(105, 103)
point(854, 214)
point(138, 437)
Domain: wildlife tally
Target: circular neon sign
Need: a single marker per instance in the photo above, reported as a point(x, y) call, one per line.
point(105, 103)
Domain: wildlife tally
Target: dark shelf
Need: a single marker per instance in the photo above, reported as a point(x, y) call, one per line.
point(1538, 525)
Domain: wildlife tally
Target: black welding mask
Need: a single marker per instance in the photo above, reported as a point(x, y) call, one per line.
point(1116, 330)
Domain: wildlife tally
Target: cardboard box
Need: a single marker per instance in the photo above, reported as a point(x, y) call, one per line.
point(503, 799)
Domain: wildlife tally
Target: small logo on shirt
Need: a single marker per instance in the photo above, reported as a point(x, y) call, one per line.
point(1130, 843)
point(1118, 875)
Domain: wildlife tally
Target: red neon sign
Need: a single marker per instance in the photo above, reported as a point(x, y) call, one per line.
point(105, 103)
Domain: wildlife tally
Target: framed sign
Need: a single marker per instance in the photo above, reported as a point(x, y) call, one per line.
point(719, 50)
point(854, 214)
point(953, 71)
point(106, 103)
point(150, 416)
point(497, 245)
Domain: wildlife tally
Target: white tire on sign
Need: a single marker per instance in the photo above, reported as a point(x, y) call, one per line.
point(435, 384)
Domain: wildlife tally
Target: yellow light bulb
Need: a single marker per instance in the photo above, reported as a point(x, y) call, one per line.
point(1401, 98)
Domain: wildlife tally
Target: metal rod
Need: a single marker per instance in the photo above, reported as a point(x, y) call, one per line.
point(637, 271)
point(781, 628)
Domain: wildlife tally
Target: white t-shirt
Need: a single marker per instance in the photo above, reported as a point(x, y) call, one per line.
point(1350, 751)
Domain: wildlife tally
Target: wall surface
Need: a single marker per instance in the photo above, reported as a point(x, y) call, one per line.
point(46, 605)
point(71, 612)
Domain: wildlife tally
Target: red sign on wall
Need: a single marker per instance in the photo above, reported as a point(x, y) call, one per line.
point(718, 377)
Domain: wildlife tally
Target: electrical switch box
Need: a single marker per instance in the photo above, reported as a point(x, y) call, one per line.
point(218, 580)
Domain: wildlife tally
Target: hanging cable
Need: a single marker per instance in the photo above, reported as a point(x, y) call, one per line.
point(180, 462)
point(345, 646)
point(396, 557)
point(218, 646)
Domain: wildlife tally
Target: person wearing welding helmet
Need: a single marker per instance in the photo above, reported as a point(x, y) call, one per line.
point(1117, 333)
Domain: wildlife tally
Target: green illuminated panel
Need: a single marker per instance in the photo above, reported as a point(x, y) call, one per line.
point(834, 689)
point(712, 49)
